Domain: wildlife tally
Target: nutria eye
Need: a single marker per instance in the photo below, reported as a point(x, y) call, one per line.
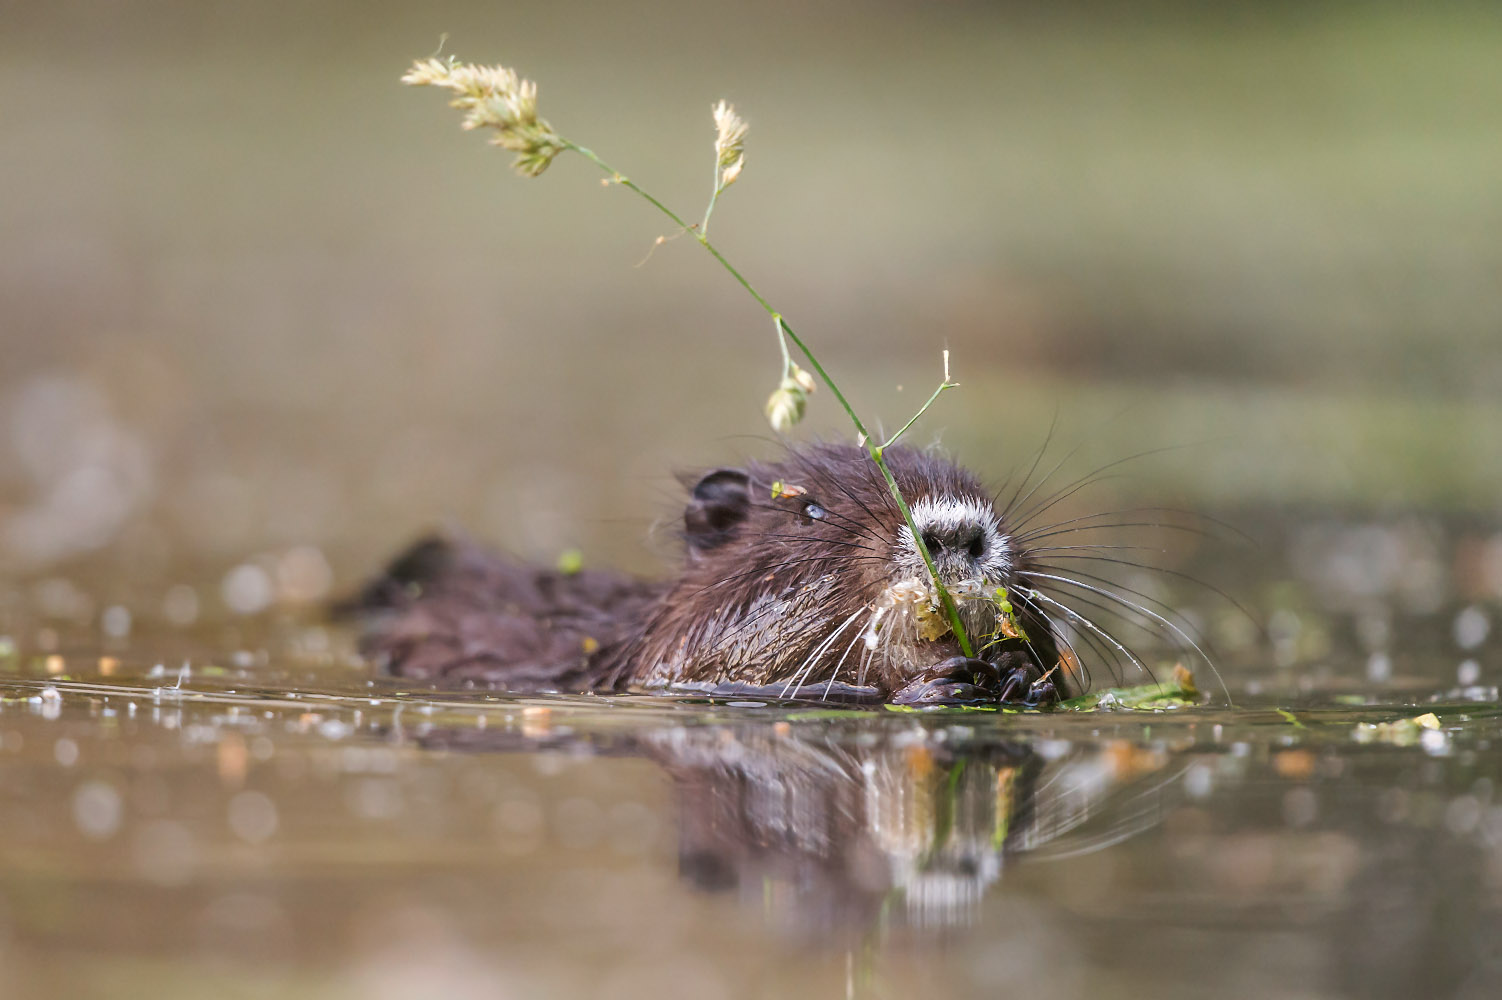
point(814, 511)
point(977, 547)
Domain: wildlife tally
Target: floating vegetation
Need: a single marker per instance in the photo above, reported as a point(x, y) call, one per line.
point(1179, 692)
point(1423, 729)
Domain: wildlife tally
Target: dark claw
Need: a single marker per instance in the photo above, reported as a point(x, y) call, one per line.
point(981, 673)
point(1013, 687)
point(962, 680)
point(957, 680)
point(1041, 692)
point(940, 693)
point(1026, 685)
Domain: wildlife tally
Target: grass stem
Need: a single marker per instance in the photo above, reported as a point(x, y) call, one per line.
point(786, 333)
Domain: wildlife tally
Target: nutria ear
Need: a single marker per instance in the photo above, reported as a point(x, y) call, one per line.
point(719, 503)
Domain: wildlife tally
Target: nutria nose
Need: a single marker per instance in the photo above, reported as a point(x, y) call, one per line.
point(967, 538)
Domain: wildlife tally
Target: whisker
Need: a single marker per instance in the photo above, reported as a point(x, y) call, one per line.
point(1093, 546)
point(812, 539)
point(1083, 663)
point(1007, 513)
point(1091, 477)
point(1034, 533)
point(1024, 540)
point(1152, 614)
point(1151, 622)
point(843, 489)
point(809, 663)
point(1042, 450)
point(1107, 656)
point(772, 605)
point(1061, 495)
point(1115, 643)
point(1148, 629)
point(838, 521)
point(841, 522)
point(1170, 572)
point(836, 672)
point(1123, 588)
point(750, 619)
point(1037, 658)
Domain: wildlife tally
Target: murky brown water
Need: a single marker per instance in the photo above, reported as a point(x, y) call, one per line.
point(277, 822)
point(265, 316)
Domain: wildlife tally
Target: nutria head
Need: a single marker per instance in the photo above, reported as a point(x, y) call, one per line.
point(802, 571)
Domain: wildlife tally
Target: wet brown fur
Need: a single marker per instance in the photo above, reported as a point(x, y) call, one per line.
point(769, 593)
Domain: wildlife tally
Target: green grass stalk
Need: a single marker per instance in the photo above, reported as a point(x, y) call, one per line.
point(537, 143)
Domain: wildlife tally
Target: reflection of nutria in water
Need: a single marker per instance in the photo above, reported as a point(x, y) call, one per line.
point(832, 830)
point(800, 576)
point(819, 829)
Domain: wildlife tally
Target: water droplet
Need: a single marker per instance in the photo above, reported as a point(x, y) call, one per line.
point(1198, 781)
point(1471, 627)
point(252, 817)
point(180, 606)
point(1462, 814)
point(303, 574)
point(115, 621)
point(165, 852)
point(1300, 807)
point(247, 589)
point(96, 810)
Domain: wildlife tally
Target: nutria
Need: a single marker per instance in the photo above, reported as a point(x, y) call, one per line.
point(799, 579)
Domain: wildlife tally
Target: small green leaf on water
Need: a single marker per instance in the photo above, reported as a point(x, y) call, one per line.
point(1290, 718)
point(570, 561)
point(1180, 692)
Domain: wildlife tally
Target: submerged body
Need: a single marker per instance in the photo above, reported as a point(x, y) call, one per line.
point(799, 578)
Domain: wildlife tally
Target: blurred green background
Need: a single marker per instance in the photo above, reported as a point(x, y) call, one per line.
point(257, 297)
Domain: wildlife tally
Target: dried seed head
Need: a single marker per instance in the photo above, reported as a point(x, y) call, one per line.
point(785, 406)
point(804, 379)
point(428, 73)
point(494, 97)
point(730, 143)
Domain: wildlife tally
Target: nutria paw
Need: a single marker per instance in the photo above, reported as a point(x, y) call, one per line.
point(958, 680)
point(961, 680)
point(1024, 685)
point(1041, 692)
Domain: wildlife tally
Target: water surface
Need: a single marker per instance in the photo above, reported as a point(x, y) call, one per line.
point(283, 823)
